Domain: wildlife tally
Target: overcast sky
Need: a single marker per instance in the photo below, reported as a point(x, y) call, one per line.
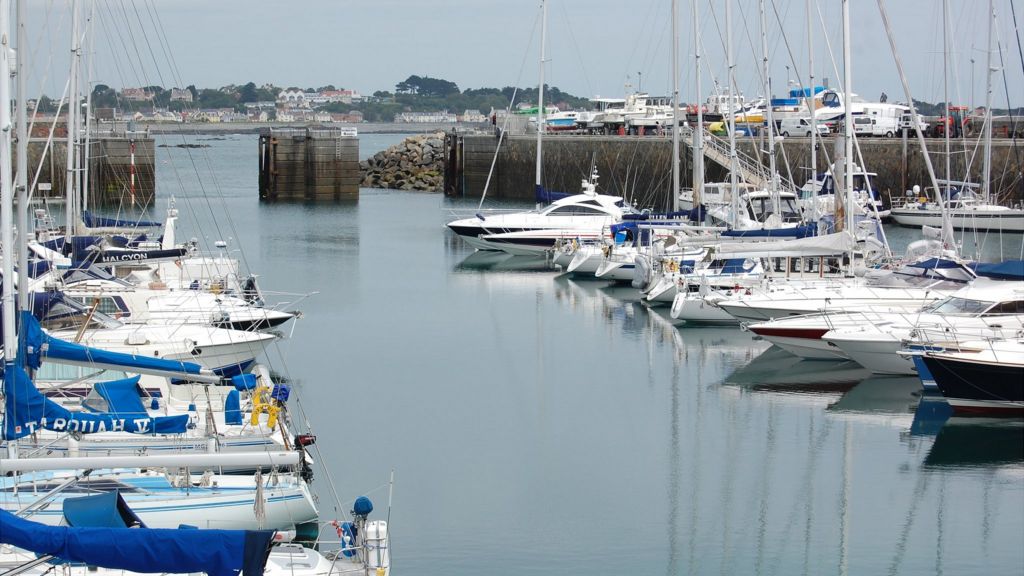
point(594, 47)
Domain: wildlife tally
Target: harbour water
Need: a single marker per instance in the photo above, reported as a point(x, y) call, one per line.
point(539, 424)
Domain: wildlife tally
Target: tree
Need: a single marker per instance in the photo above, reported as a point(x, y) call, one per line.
point(248, 93)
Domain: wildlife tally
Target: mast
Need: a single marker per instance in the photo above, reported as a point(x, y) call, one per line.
point(773, 188)
point(947, 228)
point(87, 148)
point(675, 105)
point(733, 191)
point(21, 183)
point(814, 116)
point(540, 93)
point(847, 125)
point(72, 128)
point(10, 338)
point(698, 136)
point(945, 91)
point(986, 176)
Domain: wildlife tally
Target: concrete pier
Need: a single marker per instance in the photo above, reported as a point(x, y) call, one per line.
point(308, 164)
point(639, 167)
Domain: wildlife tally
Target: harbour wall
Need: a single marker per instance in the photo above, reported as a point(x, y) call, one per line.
point(110, 169)
point(640, 167)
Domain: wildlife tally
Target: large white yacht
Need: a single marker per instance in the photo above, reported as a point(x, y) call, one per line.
point(580, 216)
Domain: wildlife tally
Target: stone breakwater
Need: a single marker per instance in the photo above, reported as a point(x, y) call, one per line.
point(415, 164)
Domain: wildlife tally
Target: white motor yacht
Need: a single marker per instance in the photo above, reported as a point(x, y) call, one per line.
point(581, 216)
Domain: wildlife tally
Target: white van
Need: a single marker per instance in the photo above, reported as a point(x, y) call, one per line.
point(798, 127)
point(875, 126)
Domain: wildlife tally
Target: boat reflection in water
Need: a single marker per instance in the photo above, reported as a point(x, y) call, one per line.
point(761, 462)
point(982, 443)
point(885, 399)
point(778, 370)
point(931, 414)
point(496, 261)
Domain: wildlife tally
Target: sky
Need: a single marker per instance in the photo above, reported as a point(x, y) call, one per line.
point(593, 47)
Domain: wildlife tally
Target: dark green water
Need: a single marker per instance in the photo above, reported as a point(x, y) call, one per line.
point(542, 425)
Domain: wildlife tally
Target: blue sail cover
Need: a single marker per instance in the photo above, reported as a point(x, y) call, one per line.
point(27, 410)
point(1006, 270)
point(93, 221)
point(545, 196)
point(145, 550)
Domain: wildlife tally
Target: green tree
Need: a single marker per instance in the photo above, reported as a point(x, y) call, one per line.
point(248, 93)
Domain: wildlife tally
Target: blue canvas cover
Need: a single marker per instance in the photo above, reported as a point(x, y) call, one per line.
point(244, 382)
point(233, 408)
point(1006, 270)
point(544, 196)
point(26, 410)
point(215, 552)
point(122, 397)
point(104, 510)
point(93, 221)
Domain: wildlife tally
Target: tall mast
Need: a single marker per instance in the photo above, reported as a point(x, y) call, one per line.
point(847, 126)
point(21, 184)
point(731, 123)
point(986, 176)
point(698, 136)
point(675, 105)
point(947, 228)
point(945, 92)
point(90, 23)
point(814, 116)
point(773, 188)
point(540, 92)
point(70, 187)
point(10, 339)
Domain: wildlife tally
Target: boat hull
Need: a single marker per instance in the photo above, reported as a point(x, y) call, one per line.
point(978, 386)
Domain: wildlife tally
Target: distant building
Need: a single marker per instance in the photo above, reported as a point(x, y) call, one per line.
point(425, 117)
point(136, 94)
point(472, 116)
point(181, 95)
point(296, 97)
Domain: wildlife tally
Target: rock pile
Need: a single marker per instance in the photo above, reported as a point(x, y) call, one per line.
point(415, 164)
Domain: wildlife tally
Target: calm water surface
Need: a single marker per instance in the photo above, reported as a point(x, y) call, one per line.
point(539, 424)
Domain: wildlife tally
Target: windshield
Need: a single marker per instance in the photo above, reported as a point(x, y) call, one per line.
point(762, 208)
point(957, 305)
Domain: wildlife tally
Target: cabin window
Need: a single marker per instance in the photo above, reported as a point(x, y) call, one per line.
point(576, 210)
point(1012, 307)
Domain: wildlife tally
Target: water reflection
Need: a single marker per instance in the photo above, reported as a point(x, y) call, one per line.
point(931, 414)
point(754, 460)
point(889, 400)
point(778, 370)
point(977, 443)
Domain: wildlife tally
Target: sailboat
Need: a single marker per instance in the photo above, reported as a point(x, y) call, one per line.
point(960, 204)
